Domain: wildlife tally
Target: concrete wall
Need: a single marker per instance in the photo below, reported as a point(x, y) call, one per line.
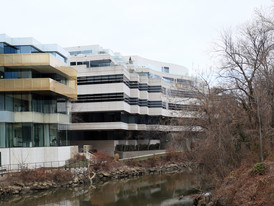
point(123, 155)
point(29, 156)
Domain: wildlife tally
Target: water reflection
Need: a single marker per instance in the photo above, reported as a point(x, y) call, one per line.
point(148, 190)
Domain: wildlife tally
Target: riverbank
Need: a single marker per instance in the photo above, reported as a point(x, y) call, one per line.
point(248, 185)
point(41, 179)
point(157, 189)
point(251, 185)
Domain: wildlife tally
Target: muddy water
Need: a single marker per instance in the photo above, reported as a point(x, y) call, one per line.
point(142, 191)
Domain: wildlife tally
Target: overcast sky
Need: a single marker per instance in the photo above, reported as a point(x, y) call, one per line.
point(174, 31)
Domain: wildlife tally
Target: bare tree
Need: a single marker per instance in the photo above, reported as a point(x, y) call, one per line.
point(247, 64)
point(236, 116)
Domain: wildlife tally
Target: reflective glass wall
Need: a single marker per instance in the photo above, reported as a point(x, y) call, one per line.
point(7, 73)
point(31, 135)
point(28, 102)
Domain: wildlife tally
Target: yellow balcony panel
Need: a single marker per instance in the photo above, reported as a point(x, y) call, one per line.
point(41, 62)
point(37, 85)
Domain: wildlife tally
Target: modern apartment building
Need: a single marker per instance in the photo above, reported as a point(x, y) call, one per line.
point(35, 86)
point(127, 99)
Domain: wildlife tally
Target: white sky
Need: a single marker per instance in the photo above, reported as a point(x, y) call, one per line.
point(174, 31)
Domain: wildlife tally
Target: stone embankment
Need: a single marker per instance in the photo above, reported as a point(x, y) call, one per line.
point(81, 176)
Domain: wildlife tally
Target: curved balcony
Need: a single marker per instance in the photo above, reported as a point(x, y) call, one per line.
point(46, 85)
point(41, 62)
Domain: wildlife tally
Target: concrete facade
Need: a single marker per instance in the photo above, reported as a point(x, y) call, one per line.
point(128, 97)
point(16, 158)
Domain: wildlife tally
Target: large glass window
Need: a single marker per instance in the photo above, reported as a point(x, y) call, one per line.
point(17, 140)
point(2, 135)
point(9, 49)
point(11, 74)
point(9, 102)
point(63, 137)
point(53, 137)
point(26, 49)
point(31, 135)
point(22, 135)
point(37, 103)
point(25, 102)
point(38, 135)
point(9, 135)
point(22, 102)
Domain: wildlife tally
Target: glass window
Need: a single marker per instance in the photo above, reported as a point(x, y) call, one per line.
point(2, 48)
point(37, 103)
point(9, 135)
point(63, 136)
point(2, 72)
point(27, 140)
point(59, 56)
point(25, 74)
point(53, 138)
point(2, 135)
point(46, 135)
point(9, 49)
point(9, 102)
point(17, 140)
point(165, 69)
point(53, 106)
point(17, 103)
point(27, 49)
point(11, 74)
point(22, 102)
point(62, 106)
point(38, 135)
point(25, 102)
point(2, 102)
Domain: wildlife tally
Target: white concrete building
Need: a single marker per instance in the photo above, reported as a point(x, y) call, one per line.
point(127, 99)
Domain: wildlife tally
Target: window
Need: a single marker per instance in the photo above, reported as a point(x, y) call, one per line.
point(26, 49)
point(9, 49)
point(9, 102)
point(38, 135)
point(63, 59)
point(2, 72)
point(54, 140)
point(2, 102)
point(165, 69)
point(75, 53)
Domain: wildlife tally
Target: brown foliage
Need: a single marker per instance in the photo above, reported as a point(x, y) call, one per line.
point(61, 176)
point(77, 158)
point(133, 163)
point(42, 175)
point(104, 161)
point(173, 156)
point(243, 187)
point(38, 175)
